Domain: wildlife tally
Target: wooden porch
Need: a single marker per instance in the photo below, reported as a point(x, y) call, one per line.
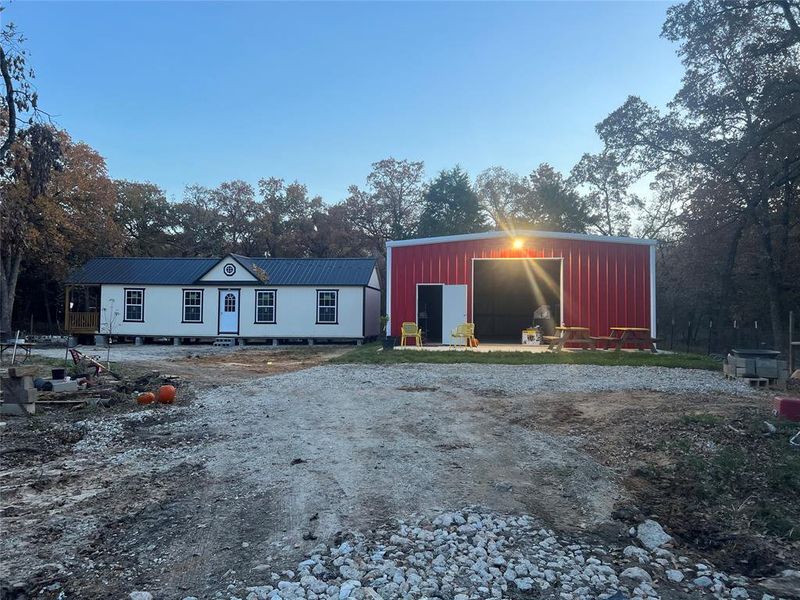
point(81, 309)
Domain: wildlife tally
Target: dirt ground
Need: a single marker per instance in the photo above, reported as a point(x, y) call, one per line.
point(269, 452)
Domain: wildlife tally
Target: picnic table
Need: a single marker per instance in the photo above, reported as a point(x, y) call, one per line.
point(632, 336)
point(25, 347)
point(569, 335)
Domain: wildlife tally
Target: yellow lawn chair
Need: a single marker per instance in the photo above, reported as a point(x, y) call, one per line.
point(410, 330)
point(465, 331)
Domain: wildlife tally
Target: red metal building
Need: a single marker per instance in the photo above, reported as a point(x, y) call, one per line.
point(505, 282)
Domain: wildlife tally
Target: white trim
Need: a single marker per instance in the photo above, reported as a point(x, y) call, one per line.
point(335, 306)
point(274, 293)
point(560, 282)
point(488, 235)
point(388, 290)
point(561, 292)
point(653, 291)
point(199, 305)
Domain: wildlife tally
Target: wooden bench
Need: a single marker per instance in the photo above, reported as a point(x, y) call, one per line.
point(604, 339)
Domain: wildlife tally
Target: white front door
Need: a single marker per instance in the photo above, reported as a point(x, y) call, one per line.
point(229, 311)
point(454, 310)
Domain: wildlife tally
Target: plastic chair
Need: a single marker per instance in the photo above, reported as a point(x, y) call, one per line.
point(463, 330)
point(410, 330)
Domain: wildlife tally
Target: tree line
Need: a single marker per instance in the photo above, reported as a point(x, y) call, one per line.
point(714, 178)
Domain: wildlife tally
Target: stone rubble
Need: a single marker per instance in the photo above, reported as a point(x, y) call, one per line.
point(470, 554)
point(652, 535)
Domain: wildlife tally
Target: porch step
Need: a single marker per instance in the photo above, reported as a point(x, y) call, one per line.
point(224, 341)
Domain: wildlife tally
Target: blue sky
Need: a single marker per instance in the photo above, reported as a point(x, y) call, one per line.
point(180, 93)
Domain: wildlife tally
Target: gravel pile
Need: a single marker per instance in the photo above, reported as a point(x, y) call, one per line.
point(471, 554)
point(98, 434)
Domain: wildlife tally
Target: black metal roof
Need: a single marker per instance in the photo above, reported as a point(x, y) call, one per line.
point(315, 271)
point(189, 271)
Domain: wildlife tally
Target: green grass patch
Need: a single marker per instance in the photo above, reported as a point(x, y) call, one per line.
point(700, 419)
point(375, 354)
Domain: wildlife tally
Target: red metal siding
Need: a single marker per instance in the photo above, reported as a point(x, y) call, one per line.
point(605, 284)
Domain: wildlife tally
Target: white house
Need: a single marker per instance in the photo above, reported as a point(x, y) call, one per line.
point(234, 297)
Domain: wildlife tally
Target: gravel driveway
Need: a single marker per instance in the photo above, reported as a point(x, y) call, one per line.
point(347, 447)
point(260, 471)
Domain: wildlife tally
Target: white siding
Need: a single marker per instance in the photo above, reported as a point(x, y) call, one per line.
point(296, 312)
point(218, 273)
point(374, 280)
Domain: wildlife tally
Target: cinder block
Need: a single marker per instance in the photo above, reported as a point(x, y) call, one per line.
point(59, 385)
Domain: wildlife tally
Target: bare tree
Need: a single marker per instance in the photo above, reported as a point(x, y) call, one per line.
point(18, 101)
point(499, 191)
point(390, 206)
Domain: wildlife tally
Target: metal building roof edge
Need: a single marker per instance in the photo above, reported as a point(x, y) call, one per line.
point(487, 235)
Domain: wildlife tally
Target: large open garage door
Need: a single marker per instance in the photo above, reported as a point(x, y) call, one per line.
point(511, 294)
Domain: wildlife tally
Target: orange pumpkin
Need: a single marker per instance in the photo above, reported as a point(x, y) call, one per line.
point(146, 398)
point(166, 394)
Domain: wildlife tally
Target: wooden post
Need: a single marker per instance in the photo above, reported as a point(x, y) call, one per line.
point(67, 294)
point(14, 352)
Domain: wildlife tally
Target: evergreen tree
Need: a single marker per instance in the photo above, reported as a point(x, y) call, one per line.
point(450, 206)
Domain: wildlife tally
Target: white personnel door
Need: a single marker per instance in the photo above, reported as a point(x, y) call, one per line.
point(229, 311)
point(454, 310)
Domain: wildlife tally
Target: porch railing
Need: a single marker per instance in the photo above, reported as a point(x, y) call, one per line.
point(83, 322)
